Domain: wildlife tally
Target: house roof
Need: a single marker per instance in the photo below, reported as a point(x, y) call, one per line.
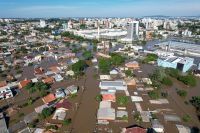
point(53, 68)
point(108, 97)
point(133, 64)
point(64, 104)
point(106, 114)
point(24, 83)
point(3, 83)
point(48, 80)
point(135, 130)
point(39, 71)
point(49, 98)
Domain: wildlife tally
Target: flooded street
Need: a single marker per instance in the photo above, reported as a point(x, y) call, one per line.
point(84, 120)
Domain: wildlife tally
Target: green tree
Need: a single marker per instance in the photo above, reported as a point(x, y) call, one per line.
point(195, 101)
point(188, 80)
point(46, 112)
point(172, 72)
point(98, 98)
point(67, 122)
point(104, 65)
point(117, 59)
point(153, 94)
point(181, 93)
point(129, 73)
point(79, 67)
point(87, 55)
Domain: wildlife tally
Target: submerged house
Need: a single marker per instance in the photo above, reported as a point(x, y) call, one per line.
point(113, 85)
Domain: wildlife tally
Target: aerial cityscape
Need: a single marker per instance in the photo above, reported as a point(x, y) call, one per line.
point(100, 66)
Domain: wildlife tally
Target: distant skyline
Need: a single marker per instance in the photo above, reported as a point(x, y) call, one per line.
point(97, 8)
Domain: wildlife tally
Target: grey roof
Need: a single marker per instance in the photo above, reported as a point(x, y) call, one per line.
point(3, 126)
point(122, 113)
point(112, 83)
point(106, 113)
point(174, 118)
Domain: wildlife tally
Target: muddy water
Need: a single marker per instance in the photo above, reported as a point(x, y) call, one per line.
point(85, 118)
point(176, 103)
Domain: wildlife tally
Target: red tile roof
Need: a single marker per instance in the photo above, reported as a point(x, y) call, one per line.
point(108, 97)
point(49, 98)
point(48, 80)
point(23, 83)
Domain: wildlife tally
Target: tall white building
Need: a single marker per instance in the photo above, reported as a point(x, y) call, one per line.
point(133, 30)
point(69, 24)
point(42, 23)
point(65, 26)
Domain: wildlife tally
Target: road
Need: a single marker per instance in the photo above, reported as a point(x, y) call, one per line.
point(85, 117)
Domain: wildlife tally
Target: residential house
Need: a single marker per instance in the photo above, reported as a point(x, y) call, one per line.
point(64, 104)
point(39, 71)
point(108, 97)
point(40, 108)
point(48, 80)
point(5, 92)
point(113, 85)
point(60, 93)
point(49, 98)
point(134, 129)
point(54, 69)
point(59, 114)
point(58, 77)
point(23, 83)
point(73, 89)
point(132, 65)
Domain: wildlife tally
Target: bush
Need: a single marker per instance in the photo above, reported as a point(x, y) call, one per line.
point(172, 72)
point(129, 73)
point(188, 80)
point(98, 98)
point(122, 100)
point(137, 117)
point(195, 101)
point(153, 94)
point(167, 81)
point(150, 57)
point(46, 112)
point(186, 118)
point(182, 93)
point(67, 122)
point(30, 101)
point(52, 127)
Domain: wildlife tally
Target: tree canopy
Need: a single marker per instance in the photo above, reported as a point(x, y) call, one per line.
point(104, 65)
point(79, 67)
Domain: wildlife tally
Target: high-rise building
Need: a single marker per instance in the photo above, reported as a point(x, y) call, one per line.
point(42, 23)
point(133, 30)
point(69, 24)
point(65, 26)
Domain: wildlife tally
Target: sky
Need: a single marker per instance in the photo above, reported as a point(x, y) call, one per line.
point(97, 8)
